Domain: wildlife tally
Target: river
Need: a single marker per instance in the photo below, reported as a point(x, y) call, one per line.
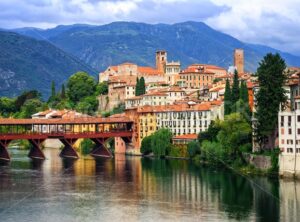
point(137, 189)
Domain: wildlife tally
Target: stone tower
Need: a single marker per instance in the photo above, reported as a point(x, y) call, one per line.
point(161, 60)
point(239, 60)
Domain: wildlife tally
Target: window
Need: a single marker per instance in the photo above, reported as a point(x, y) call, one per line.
point(282, 121)
point(289, 121)
point(282, 141)
point(297, 150)
point(289, 150)
point(298, 118)
point(298, 131)
point(290, 131)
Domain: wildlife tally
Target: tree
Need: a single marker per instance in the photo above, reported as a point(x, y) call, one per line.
point(235, 132)
point(142, 86)
point(7, 106)
point(227, 99)
point(146, 145)
point(193, 148)
point(20, 100)
point(161, 142)
point(87, 105)
point(53, 93)
point(235, 88)
point(63, 92)
point(211, 133)
point(270, 96)
point(31, 107)
point(102, 88)
point(79, 86)
point(137, 87)
point(244, 101)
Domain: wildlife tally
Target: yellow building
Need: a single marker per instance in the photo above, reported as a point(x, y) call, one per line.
point(147, 122)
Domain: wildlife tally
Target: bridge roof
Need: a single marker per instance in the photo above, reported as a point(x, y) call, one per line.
point(9, 121)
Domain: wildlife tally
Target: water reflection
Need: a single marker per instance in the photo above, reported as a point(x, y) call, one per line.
point(136, 189)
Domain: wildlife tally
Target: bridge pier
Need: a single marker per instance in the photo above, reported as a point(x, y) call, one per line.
point(4, 155)
point(35, 150)
point(68, 151)
point(100, 149)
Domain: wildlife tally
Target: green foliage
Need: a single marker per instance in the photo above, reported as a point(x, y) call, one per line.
point(270, 96)
point(142, 86)
point(235, 88)
point(116, 110)
point(53, 93)
point(227, 99)
point(146, 145)
point(211, 133)
point(137, 87)
point(30, 107)
point(86, 146)
point(102, 88)
point(87, 105)
point(275, 160)
point(63, 92)
point(193, 148)
point(79, 86)
point(213, 153)
point(20, 100)
point(179, 151)
point(7, 106)
point(235, 132)
point(161, 142)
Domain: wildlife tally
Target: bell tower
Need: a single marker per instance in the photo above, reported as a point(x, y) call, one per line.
point(161, 60)
point(239, 60)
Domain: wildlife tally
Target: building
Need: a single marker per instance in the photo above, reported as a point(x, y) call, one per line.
point(196, 77)
point(239, 60)
point(289, 131)
point(172, 73)
point(184, 139)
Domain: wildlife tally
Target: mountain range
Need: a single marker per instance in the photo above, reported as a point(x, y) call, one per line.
point(85, 46)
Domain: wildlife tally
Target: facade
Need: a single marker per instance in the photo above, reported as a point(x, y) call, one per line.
point(172, 73)
point(239, 60)
point(196, 77)
point(289, 141)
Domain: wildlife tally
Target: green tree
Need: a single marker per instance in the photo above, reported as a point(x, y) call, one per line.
point(31, 107)
point(87, 105)
point(193, 148)
point(235, 132)
point(7, 106)
point(53, 92)
point(161, 142)
point(137, 87)
point(211, 133)
point(102, 88)
point(142, 86)
point(270, 96)
point(79, 86)
point(227, 99)
point(235, 88)
point(146, 145)
point(20, 100)
point(63, 92)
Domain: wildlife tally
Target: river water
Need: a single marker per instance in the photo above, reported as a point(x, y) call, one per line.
point(137, 189)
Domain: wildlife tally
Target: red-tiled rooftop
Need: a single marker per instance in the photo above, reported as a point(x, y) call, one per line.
point(9, 121)
point(186, 137)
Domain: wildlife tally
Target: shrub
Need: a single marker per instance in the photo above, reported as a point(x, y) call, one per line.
point(193, 148)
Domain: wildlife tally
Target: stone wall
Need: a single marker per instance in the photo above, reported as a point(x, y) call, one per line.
point(259, 161)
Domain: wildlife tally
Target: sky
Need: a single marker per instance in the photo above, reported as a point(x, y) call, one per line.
point(270, 22)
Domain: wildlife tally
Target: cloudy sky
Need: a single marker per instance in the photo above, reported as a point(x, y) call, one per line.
point(271, 22)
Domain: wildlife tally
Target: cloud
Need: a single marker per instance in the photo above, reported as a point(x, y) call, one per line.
point(269, 22)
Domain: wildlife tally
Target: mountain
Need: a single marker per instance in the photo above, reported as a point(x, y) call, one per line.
point(27, 63)
point(189, 42)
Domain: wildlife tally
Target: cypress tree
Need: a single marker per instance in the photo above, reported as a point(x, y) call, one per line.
point(142, 86)
point(52, 89)
point(227, 99)
point(137, 87)
point(270, 96)
point(235, 88)
point(63, 91)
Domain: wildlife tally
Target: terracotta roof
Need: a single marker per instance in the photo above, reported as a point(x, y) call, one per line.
point(186, 137)
point(195, 70)
point(148, 70)
point(217, 88)
point(82, 120)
